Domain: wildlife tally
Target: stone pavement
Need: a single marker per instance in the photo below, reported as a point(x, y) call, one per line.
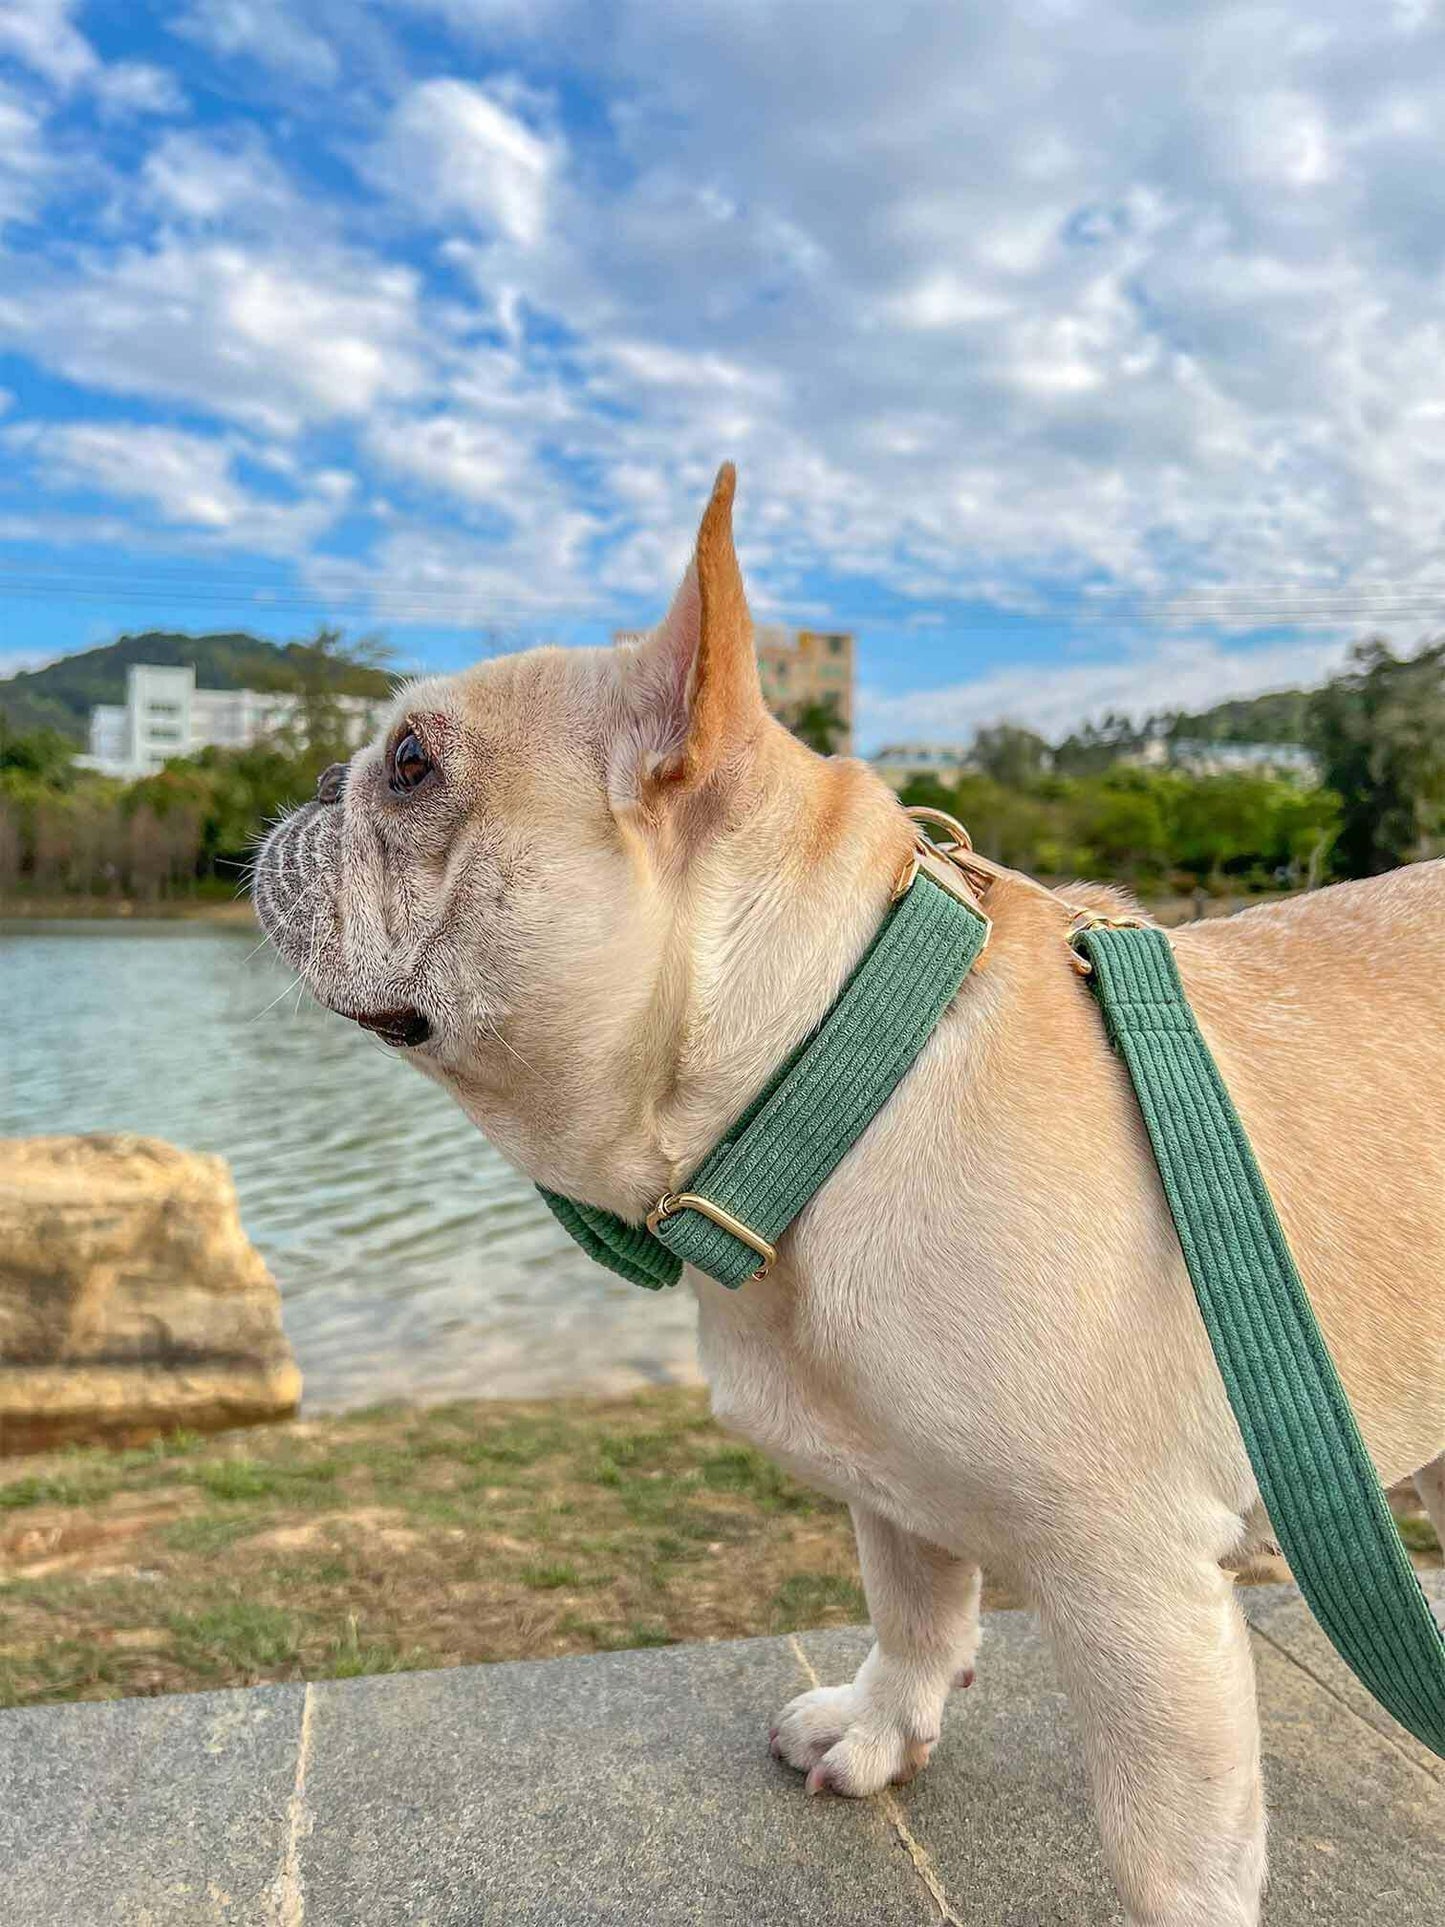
point(637, 1788)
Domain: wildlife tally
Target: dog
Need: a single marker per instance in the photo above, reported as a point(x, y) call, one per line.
point(601, 894)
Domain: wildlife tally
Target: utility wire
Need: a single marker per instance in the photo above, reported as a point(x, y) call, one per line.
point(173, 584)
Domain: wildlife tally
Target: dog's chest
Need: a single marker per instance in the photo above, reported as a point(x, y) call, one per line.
point(815, 1408)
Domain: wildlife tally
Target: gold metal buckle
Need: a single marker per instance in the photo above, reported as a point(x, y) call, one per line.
point(672, 1202)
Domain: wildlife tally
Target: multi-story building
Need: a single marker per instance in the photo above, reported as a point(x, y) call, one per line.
point(804, 667)
point(164, 715)
point(810, 666)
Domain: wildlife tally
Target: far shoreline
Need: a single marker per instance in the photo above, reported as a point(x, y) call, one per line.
point(235, 911)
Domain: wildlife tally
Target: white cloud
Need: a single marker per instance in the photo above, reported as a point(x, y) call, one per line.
point(132, 87)
point(189, 480)
point(266, 31)
point(24, 163)
point(210, 179)
point(42, 34)
point(255, 335)
point(427, 573)
point(981, 319)
point(473, 459)
point(455, 151)
point(1188, 673)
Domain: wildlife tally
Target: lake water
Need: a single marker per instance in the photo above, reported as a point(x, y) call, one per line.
point(412, 1262)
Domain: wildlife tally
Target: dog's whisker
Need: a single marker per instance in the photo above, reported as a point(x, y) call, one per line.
point(277, 999)
point(491, 1029)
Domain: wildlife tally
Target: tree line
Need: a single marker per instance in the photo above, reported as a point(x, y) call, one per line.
point(190, 829)
point(1080, 808)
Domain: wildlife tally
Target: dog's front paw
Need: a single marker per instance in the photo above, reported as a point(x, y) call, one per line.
point(842, 1745)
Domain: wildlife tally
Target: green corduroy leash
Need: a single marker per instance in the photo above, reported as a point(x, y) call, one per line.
point(1325, 1502)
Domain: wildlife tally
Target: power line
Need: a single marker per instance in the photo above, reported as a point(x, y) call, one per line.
point(169, 583)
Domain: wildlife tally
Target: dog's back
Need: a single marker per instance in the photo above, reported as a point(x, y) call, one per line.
point(1327, 1016)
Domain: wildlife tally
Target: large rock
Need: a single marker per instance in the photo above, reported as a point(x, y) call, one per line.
point(131, 1301)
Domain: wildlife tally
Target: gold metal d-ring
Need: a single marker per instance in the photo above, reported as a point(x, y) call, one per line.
point(672, 1202)
point(921, 813)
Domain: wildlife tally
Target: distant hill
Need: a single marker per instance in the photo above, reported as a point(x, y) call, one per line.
point(61, 695)
point(1278, 717)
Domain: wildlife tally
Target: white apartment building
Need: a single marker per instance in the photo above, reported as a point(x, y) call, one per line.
point(164, 715)
point(898, 763)
point(1230, 759)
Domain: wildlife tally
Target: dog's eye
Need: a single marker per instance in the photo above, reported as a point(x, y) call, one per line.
point(410, 764)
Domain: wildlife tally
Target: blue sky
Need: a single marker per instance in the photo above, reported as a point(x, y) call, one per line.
point(1080, 355)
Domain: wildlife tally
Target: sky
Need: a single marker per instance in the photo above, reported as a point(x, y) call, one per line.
point(1079, 355)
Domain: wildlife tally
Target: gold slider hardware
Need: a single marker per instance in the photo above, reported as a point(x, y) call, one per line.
point(1085, 919)
point(907, 875)
point(961, 855)
point(672, 1202)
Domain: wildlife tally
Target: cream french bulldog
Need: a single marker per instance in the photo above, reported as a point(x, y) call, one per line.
point(600, 895)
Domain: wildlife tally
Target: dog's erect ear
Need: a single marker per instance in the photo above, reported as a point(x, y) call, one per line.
point(696, 696)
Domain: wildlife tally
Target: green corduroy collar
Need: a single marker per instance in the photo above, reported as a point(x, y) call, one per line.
point(751, 1186)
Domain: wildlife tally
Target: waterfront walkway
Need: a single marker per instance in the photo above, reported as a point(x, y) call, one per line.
point(637, 1788)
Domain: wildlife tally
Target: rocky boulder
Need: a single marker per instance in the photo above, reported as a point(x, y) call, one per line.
point(131, 1301)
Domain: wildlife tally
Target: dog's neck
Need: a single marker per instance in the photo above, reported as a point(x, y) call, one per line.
point(777, 919)
point(757, 932)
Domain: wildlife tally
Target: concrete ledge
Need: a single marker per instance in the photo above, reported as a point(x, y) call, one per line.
point(637, 1787)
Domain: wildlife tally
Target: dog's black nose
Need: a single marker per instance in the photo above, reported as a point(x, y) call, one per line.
point(330, 783)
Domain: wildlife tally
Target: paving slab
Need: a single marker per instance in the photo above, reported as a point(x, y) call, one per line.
point(637, 1787)
point(148, 1812)
point(1280, 1618)
point(1003, 1812)
point(1357, 1807)
point(627, 1787)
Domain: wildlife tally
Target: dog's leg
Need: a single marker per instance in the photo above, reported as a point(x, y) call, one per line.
point(1430, 1484)
point(1157, 1660)
point(924, 1606)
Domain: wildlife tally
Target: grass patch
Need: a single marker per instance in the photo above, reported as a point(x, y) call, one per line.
point(353, 1658)
point(238, 1638)
point(550, 1578)
point(816, 1599)
point(737, 1468)
point(393, 1538)
point(1418, 1534)
point(90, 1485)
point(207, 1534)
point(66, 1670)
point(245, 1478)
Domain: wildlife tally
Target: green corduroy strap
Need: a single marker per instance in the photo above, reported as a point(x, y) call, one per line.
point(786, 1145)
point(1327, 1508)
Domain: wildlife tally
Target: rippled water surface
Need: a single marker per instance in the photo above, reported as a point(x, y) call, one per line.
point(412, 1261)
